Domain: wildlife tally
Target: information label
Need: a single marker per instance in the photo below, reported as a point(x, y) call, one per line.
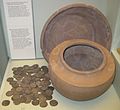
point(19, 20)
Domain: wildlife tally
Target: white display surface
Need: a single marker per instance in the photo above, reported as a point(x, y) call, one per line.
point(108, 101)
point(19, 20)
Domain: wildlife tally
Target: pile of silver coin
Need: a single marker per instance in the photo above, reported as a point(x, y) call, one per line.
point(30, 84)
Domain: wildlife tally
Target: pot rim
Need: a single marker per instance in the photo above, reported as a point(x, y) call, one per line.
point(88, 43)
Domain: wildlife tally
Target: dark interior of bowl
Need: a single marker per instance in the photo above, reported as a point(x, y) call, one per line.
point(83, 57)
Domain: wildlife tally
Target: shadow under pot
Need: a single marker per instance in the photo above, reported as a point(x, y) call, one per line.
point(81, 69)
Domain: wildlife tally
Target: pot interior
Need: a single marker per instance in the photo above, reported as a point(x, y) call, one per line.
point(83, 57)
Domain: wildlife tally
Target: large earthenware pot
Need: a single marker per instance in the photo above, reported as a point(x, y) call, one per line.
point(81, 69)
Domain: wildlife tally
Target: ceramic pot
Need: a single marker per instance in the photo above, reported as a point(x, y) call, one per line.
point(81, 69)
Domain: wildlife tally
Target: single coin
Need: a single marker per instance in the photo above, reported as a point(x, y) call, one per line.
point(45, 69)
point(51, 88)
point(38, 75)
point(5, 102)
point(35, 102)
point(32, 85)
point(10, 79)
point(53, 103)
point(20, 69)
point(48, 92)
point(43, 104)
point(9, 93)
point(13, 82)
point(44, 87)
point(16, 96)
point(26, 67)
point(36, 95)
point(18, 77)
point(48, 97)
point(19, 89)
point(33, 97)
point(47, 76)
point(35, 90)
point(24, 85)
point(28, 99)
point(14, 69)
point(27, 90)
point(35, 66)
point(13, 89)
point(37, 79)
point(23, 99)
point(41, 73)
point(38, 83)
point(15, 85)
point(42, 98)
point(26, 80)
point(17, 101)
point(16, 92)
point(16, 72)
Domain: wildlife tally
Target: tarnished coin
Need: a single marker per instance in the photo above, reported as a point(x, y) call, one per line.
point(35, 102)
point(27, 90)
point(35, 90)
point(38, 75)
point(45, 69)
point(9, 93)
point(5, 102)
point(44, 87)
point(53, 103)
point(26, 79)
point(16, 92)
point(35, 66)
point(10, 79)
point(48, 97)
point(18, 77)
point(19, 69)
point(15, 97)
point(47, 82)
point(43, 104)
point(19, 89)
point(26, 67)
point(33, 97)
point(47, 76)
point(38, 83)
point(42, 98)
point(24, 85)
point(23, 99)
point(32, 85)
point(28, 99)
point(17, 102)
point(51, 88)
point(15, 85)
point(36, 95)
point(48, 92)
point(14, 69)
point(13, 89)
point(12, 82)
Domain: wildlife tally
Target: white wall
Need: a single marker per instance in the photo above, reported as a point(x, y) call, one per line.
point(116, 40)
point(3, 52)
